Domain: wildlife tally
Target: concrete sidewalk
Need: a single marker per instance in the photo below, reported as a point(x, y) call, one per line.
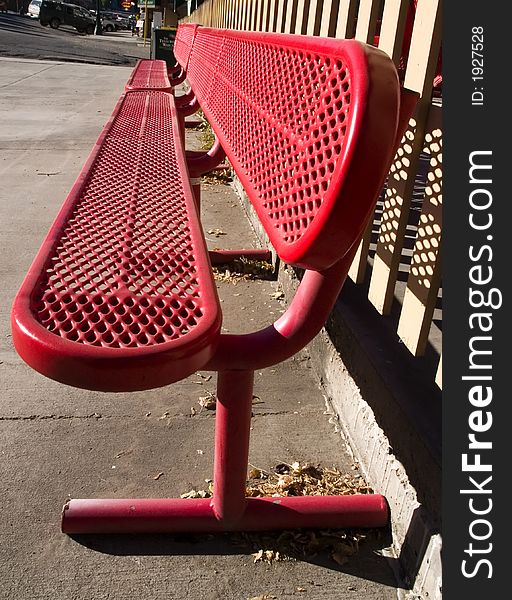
point(59, 442)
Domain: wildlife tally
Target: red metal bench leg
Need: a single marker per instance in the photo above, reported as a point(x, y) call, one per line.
point(196, 189)
point(229, 509)
point(232, 429)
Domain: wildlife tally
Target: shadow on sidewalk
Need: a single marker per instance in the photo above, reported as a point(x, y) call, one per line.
point(368, 562)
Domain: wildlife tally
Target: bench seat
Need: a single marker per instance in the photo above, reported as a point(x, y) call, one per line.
point(121, 295)
point(149, 74)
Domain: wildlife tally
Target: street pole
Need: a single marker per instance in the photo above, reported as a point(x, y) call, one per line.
point(97, 29)
point(145, 21)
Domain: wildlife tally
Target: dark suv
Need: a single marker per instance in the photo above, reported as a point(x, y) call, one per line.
point(56, 14)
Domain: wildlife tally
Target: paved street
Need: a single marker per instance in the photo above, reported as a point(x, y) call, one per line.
point(23, 37)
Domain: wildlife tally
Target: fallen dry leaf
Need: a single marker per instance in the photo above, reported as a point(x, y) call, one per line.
point(209, 401)
point(196, 494)
point(277, 295)
point(122, 453)
point(216, 232)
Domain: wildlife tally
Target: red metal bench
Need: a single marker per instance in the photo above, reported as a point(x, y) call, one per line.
point(149, 75)
point(121, 295)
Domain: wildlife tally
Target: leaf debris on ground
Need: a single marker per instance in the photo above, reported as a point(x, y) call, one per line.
point(298, 479)
point(209, 401)
point(243, 269)
point(216, 232)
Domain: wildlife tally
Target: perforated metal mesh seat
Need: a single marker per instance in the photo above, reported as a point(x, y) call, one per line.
point(149, 75)
point(122, 287)
point(308, 134)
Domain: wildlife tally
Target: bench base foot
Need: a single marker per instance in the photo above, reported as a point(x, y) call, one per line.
point(194, 515)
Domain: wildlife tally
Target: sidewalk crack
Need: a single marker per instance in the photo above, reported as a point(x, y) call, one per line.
point(53, 417)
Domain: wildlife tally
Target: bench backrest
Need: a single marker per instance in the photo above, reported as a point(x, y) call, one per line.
point(308, 124)
point(183, 43)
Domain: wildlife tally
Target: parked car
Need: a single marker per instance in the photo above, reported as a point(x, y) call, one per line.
point(33, 9)
point(109, 22)
point(113, 21)
point(123, 20)
point(56, 14)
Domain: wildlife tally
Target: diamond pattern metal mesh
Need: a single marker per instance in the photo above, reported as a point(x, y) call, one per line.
point(285, 147)
point(124, 272)
point(149, 74)
point(183, 43)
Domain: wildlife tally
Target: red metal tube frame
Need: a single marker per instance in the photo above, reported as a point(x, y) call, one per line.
point(229, 509)
point(187, 104)
point(199, 163)
point(181, 515)
point(176, 75)
point(293, 330)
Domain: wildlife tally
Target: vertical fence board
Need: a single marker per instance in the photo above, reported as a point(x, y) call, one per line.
point(365, 30)
point(439, 374)
point(250, 15)
point(256, 15)
point(234, 13)
point(291, 17)
point(419, 76)
point(346, 22)
point(329, 18)
point(359, 264)
point(217, 14)
point(301, 23)
point(390, 41)
point(282, 10)
point(265, 16)
point(225, 14)
point(273, 15)
point(425, 274)
point(242, 9)
point(367, 20)
point(392, 28)
point(237, 13)
point(315, 17)
point(261, 9)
